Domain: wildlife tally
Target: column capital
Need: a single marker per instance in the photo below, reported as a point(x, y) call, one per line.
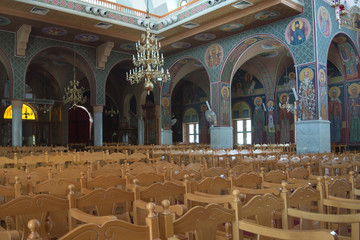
point(17, 103)
point(98, 108)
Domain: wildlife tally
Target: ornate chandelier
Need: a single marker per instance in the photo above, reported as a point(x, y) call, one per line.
point(340, 10)
point(73, 94)
point(148, 62)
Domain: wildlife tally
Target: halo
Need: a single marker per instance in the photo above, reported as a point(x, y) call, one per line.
point(311, 74)
point(323, 72)
point(300, 23)
point(165, 99)
point(203, 108)
point(248, 74)
point(284, 94)
point(292, 74)
point(255, 100)
point(270, 103)
point(340, 39)
point(222, 91)
point(337, 89)
point(357, 86)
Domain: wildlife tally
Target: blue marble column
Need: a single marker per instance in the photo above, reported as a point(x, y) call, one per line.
point(221, 137)
point(166, 137)
point(141, 130)
point(98, 125)
point(16, 123)
point(313, 136)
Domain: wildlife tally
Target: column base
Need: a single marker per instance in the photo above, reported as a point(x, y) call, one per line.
point(313, 136)
point(166, 137)
point(221, 137)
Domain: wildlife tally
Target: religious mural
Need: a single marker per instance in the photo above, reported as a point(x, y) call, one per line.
point(348, 56)
point(307, 99)
point(225, 105)
point(244, 83)
point(335, 114)
point(324, 21)
point(258, 120)
point(214, 55)
point(271, 121)
point(298, 31)
point(354, 112)
point(323, 98)
point(165, 113)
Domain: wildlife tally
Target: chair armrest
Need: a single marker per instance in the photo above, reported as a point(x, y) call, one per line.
point(284, 234)
point(333, 218)
point(209, 198)
point(88, 218)
point(340, 202)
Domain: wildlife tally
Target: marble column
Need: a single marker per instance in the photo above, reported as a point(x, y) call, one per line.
point(141, 131)
point(313, 136)
point(221, 137)
point(16, 122)
point(166, 137)
point(98, 125)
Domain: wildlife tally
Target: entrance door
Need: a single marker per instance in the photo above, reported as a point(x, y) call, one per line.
point(79, 125)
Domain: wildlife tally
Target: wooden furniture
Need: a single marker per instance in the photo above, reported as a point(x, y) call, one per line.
point(108, 229)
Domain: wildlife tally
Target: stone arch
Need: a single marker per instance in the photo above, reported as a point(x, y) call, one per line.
point(81, 63)
point(350, 40)
point(4, 59)
point(175, 68)
point(233, 58)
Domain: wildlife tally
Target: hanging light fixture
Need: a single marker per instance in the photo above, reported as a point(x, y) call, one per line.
point(112, 112)
point(340, 10)
point(148, 62)
point(73, 94)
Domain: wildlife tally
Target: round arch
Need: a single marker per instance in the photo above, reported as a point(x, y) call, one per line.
point(4, 59)
point(80, 62)
point(233, 58)
point(184, 64)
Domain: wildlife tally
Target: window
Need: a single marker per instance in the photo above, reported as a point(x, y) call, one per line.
point(243, 131)
point(193, 132)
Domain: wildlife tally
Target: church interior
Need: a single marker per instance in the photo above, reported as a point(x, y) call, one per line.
point(170, 110)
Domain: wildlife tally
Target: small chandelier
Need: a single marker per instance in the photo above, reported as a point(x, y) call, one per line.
point(340, 10)
point(46, 108)
point(148, 62)
point(112, 112)
point(74, 94)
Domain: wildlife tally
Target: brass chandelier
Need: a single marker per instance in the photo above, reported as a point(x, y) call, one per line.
point(148, 62)
point(73, 94)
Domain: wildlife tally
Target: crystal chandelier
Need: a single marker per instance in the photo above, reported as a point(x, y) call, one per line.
point(148, 62)
point(74, 94)
point(340, 10)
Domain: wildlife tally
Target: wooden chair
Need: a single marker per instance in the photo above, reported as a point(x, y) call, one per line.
point(101, 202)
point(202, 221)
point(108, 229)
point(214, 172)
point(102, 181)
point(23, 208)
point(156, 193)
point(144, 179)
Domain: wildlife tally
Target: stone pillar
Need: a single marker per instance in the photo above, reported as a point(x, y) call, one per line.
point(313, 136)
point(221, 134)
point(141, 132)
point(166, 137)
point(16, 122)
point(98, 125)
point(221, 137)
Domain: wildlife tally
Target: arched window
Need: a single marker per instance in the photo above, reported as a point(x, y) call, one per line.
point(28, 112)
point(191, 126)
point(242, 123)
